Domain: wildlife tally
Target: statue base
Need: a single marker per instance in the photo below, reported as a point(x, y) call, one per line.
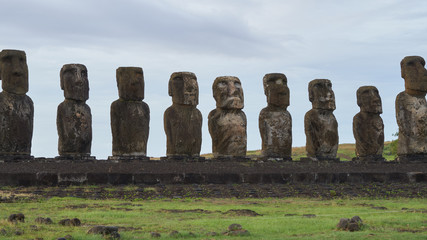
point(231, 159)
point(16, 158)
point(84, 158)
point(319, 159)
point(412, 158)
point(183, 159)
point(274, 159)
point(128, 158)
point(369, 159)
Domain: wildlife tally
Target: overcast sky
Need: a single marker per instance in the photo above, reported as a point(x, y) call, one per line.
point(352, 43)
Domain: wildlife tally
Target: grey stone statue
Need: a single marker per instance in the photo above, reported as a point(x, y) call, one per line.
point(130, 116)
point(275, 122)
point(411, 111)
point(74, 119)
point(368, 127)
point(182, 120)
point(227, 123)
point(16, 108)
point(321, 127)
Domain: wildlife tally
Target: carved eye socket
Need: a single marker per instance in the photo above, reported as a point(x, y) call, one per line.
point(237, 84)
point(222, 84)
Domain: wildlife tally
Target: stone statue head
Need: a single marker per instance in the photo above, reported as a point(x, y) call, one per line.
point(74, 82)
point(276, 89)
point(14, 71)
point(321, 95)
point(369, 100)
point(183, 88)
point(130, 82)
point(414, 73)
point(228, 92)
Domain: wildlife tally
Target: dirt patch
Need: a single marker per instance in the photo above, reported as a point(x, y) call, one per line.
point(198, 210)
point(242, 212)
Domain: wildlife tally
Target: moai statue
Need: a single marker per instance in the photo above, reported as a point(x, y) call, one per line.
point(227, 123)
point(16, 108)
point(411, 111)
point(130, 116)
point(74, 119)
point(368, 127)
point(275, 122)
point(182, 120)
point(321, 127)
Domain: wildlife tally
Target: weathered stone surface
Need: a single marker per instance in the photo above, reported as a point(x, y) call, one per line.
point(70, 222)
point(182, 120)
point(41, 220)
point(16, 217)
point(368, 127)
point(275, 122)
point(74, 118)
point(130, 116)
point(321, 127)
point(411, 110)
point(227, 123)
point(16, 108)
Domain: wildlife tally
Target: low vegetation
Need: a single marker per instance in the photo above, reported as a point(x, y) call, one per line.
point(293, 218)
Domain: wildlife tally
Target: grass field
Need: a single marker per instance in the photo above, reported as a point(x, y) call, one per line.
point(194, 218)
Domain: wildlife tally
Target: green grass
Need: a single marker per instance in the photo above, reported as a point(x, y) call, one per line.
point(346, 152)
point(138, 218)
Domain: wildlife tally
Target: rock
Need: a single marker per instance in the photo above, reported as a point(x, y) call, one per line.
point(3, 231)
point(18, 217)
point(356, 219)
point(16, 108)
point(368, 126)
point(34, 228)
point(275, 122)
point(182, 120)
point(343, 224)
point(18, 232)
point(74, 118)
point(353, 224)
point(104, 230)
point(411, 110)
point(320, 125)
point(155, 234)
point(130, 116)
point(227, 123)
point(70, 222)
point(235, 227)
point(41, 220)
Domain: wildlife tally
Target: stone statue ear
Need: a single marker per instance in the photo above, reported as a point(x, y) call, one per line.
point(359, 101)
point(170, 87)
point(62, 83)
point(310, 95)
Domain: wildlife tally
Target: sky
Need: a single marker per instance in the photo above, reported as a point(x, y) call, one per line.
point(353, 43)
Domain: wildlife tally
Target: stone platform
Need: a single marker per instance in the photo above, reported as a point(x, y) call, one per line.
point(53, 172)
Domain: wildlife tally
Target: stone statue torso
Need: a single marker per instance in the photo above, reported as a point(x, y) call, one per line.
point(276, 132)
point(321, 129)
point(183, 127)
point(130, 127)
point(16, 124)
point(411, 114)
point(228, 131)
point(368, 130)
point(74, 123)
